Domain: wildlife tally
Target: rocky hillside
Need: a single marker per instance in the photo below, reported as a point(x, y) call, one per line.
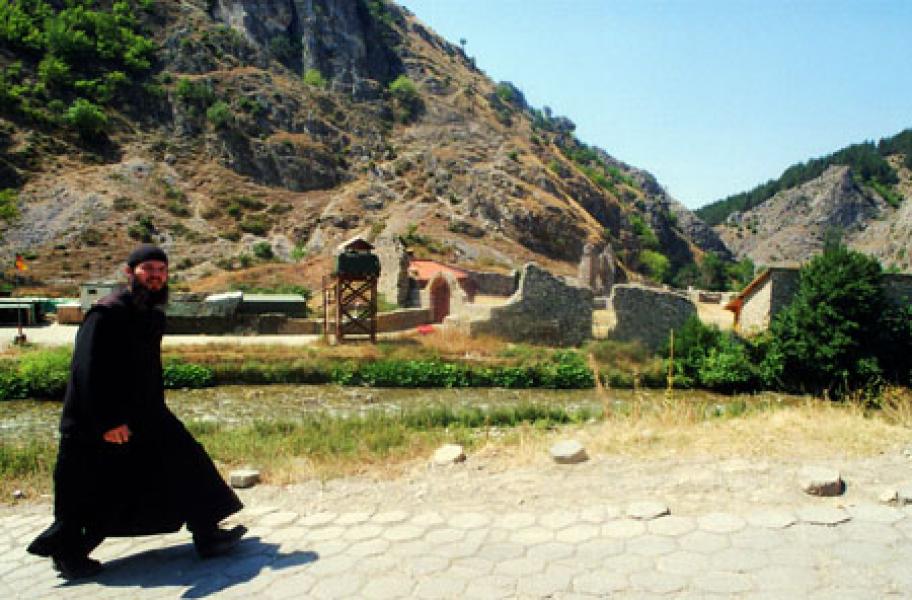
point(792, 225)
point(249, 138)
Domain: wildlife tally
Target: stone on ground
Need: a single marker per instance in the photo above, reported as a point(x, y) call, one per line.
point(821, 481)
point(888, 496)
point(568, 452)
point(647, 511)
point(449, 454)
point(904, 495)
point(244, 478)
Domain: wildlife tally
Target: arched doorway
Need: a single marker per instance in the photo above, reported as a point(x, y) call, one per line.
point(440, 299)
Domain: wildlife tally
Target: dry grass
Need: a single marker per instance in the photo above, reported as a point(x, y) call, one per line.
point(896, 406)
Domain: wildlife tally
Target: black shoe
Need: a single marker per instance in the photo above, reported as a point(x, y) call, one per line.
point(218, 541)
point(76, 567)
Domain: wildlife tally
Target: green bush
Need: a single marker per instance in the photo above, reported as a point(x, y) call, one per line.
point(830, 337)
point(219, 114)
point(89, 119)
point(405, 95)
point(314, 78)
point(9, 205)
point(657, 264)
point(186, 375)
point(263, 250)
point(728, 367)
point(254, 224)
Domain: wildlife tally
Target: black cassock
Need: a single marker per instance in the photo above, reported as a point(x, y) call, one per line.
point(159, 480)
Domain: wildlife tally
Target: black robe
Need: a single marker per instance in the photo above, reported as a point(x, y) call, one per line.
point(156, 482)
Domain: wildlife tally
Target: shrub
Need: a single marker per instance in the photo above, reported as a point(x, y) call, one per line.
point(657, 264)
point(255, 224)
point(727, 367)
point(44, 373)
point(314, 78)
point(53, 71)
point(9, 205)
point(263, 250)
point(829, 337)
point(187, 375)
point(219, 114)
point(406, 98)
point(89, 119)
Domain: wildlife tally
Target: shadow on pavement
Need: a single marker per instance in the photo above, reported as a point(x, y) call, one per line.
point(179, 566)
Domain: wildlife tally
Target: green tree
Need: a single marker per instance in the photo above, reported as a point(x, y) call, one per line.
point(314, 78)
point(89, 119)
point(657, 264)
point(405, 95)
point(219, 114)
point(828, 338)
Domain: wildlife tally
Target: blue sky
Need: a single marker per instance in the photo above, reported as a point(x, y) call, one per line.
point(711, 96)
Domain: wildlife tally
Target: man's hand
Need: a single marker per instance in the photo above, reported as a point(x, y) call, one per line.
point(118, 435)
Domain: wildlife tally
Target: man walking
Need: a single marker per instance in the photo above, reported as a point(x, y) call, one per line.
point(126, 465)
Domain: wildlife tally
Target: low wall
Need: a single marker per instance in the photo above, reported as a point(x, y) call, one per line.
point(648, 314)
point(545, 309)
point(492, 284)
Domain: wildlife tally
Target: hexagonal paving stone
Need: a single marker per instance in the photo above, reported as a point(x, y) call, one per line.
point(757, 539)
point(475, 564)
point(363, 532)
point(722, 583)
point(683, 562)
point(772, 519)
point(543, 585)
point(551, 551)
point(402, 533)
point(862, 553)
point(703, 542)
point(445, 536)
point(369, 547)
point(532, 535)
point(353, 518)
point(425, 565)
point(648, 510)
point(332, 532)
point(600, 514)
point(738, 560)
point(576, 534)
point(813, 535)
point(861, 531)
point(596, 551)
point(337, 586)
point(558, 519)
point(517, 520)
point(440, 587)
point(518, 567)
point(392, 516)
point(671, 525)
point(601, 582)
point(427, 519)
point(658, 583)
point(279, 519)
point(874, 513)
point(491, 587)
point(388, 587)
point(721, 523)
point(794, 580)
point(822, 515)
point(651, 545)
point(625, 528)
point(318, 519)
point(469, 520)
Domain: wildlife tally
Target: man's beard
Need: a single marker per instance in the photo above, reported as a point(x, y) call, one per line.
point(143, 296)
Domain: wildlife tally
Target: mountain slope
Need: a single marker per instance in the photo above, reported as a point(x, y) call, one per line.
point(252, 132)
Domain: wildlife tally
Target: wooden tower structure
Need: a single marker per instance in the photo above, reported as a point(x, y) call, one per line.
point(350, 292)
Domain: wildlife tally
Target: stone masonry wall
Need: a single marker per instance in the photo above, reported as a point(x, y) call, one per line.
point(545, 309)
point(648, 314)
point(492, 284)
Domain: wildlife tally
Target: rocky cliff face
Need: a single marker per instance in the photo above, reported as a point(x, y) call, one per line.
point(236, 152)
point(791, 226)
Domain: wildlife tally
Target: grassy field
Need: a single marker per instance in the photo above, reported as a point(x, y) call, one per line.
point(324, 447)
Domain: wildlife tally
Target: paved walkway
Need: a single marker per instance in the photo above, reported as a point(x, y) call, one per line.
point(596, 551)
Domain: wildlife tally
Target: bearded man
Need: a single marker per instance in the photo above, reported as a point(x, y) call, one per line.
point(126, 465)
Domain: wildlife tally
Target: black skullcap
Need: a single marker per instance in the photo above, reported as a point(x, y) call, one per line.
point(144, 253)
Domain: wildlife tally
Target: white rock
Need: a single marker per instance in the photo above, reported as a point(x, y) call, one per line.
point(647, 511)
point(18, 495)
point(449, 454)
point(904, 495)
point(244, 478)
point(568, 452)
point(888, 496)
point(821, 481)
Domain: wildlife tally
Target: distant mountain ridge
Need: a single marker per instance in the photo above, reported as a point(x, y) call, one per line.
point(867, 160)
point(243, 135)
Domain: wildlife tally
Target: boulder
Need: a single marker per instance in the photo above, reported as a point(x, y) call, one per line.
point(821, 481)
point(244, 478)
point(568, 452)
point(449, 454)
